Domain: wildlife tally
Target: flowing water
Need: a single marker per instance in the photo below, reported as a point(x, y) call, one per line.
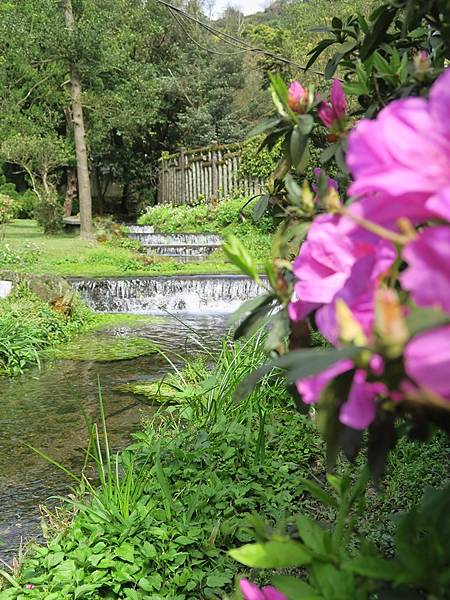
point(180, 246)
point(159, 295)
point(43, 408)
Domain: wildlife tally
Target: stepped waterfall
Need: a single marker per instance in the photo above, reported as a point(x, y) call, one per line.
point(162, 295)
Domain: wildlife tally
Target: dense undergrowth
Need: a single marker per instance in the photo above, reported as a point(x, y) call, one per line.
point(31, 328)
point(169, 507)
point(29, 325)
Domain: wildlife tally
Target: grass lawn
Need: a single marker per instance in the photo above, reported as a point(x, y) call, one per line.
point(24, 248)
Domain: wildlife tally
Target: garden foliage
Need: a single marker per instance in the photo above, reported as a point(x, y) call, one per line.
point(29, 325)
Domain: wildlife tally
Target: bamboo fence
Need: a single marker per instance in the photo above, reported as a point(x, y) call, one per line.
point(204, 174)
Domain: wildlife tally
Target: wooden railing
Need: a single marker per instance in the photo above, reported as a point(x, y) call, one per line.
point(210, 174)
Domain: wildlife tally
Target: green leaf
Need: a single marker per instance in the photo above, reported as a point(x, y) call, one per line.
point(421, 319)
point(84, 589)
point(312, 534)
point(151, 582)
point(297, 146)
point(328, 154)
point(346, 47)
point(300, 364)
point(239, 256)
point(126, 552)
point(249, 306)
point(294, 589)
point(253, 322)
point(305, 123)
point(334, 584)
point(375, 568)
point(272, 555)
point(218, 580)
point(260, 208)
point(319, 493)
point(379, 31)
point(266, 125)
point(279, 330)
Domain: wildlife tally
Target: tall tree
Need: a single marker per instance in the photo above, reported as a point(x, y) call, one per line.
point(84, 184)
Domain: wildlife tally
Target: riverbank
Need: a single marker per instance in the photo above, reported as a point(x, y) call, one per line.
point(43, 314)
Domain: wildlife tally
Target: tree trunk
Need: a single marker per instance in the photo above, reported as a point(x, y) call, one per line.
point(71, 191)
point(84, 184)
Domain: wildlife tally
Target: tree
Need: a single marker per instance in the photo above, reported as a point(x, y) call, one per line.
point(84, 184)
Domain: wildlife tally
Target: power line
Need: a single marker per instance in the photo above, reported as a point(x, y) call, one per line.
point(197, 43)
point(234, 41)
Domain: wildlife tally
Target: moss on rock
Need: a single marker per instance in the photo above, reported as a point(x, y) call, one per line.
point(102, 347)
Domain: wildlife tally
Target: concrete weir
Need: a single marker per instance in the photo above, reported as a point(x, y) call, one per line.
point(160, 295)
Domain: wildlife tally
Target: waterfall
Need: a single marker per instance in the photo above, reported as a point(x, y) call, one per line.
point(181, 246)
point(156, 295)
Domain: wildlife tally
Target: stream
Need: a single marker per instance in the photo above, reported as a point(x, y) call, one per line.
point(44, 409)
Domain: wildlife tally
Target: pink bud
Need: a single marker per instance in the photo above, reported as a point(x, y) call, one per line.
point(297, 97)
point(29, 586)
point(331, 113)
point(422, 61)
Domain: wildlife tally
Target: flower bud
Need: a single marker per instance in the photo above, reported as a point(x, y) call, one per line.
point(298, 98)
point(390, 324)
point(331, 200)
point(422, 61)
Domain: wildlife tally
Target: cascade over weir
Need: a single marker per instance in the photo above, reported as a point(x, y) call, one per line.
point(162, 295)
point(182, 247)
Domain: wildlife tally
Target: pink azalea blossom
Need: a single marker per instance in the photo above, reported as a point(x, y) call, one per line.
point(359, 410)
point(401, 159)
point(250, 591)
point(311, 388)
point(427, 361)
point(297, 97)
point(358, 293)
point(428, 273)
point(331, 266)
point(325, 261)
point(331, 113)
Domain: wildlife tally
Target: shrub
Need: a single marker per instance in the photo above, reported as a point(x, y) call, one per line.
point(48, 212)
point(28, 325)
point(7, 209)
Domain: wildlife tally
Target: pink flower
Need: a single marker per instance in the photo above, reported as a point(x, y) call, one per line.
point(428, 273)
point(325, 261)
point(359, 290)
point(427, 361)
point(331, 113)
point(359, 410)
point(250, 591)
point(29, 586)
point(402, 158)
point(332, 265)
point(311, 388)
point(297, 97)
